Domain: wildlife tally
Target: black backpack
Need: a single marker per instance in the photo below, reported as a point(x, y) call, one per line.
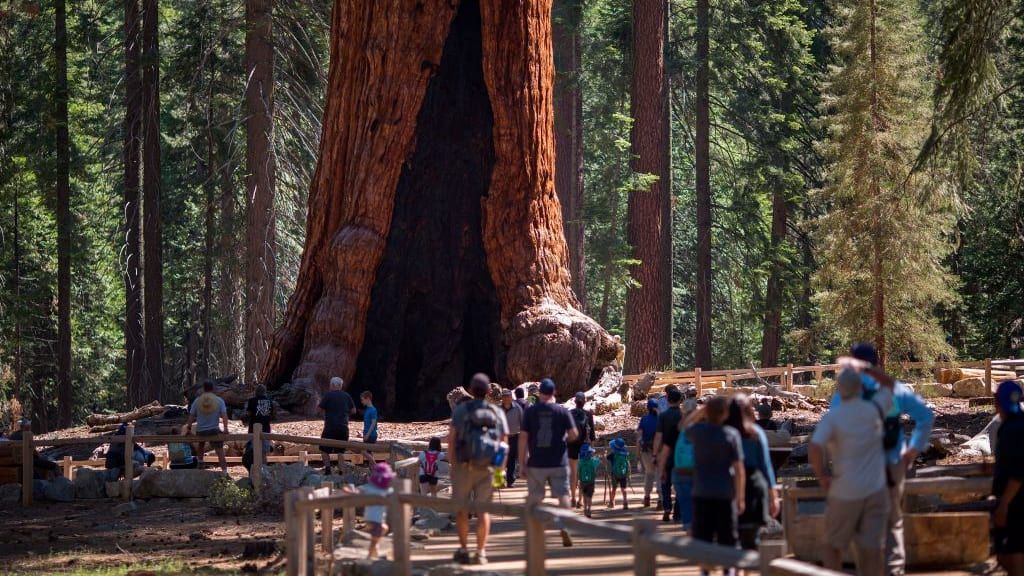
point(582, 419)
point(479, 438)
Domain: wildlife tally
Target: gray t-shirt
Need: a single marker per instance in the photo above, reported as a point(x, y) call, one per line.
point(514, 417)
point(715, 450)
point(852, 432)
point(463, 410)
point(210, 421)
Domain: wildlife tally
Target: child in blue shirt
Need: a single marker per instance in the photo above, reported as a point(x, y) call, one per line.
point(647, 428)
point(369, 424)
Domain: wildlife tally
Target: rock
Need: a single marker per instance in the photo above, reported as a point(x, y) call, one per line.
point(122, 510)
point(244, 483)
point(314, 480)
point(364, 567)
point(90, 483)
point(59, 489)
point(935, 390)
point(113, 489)
point(734, 390)
point(780, 438)
point(970, 388)
point(941, 444)
point(176, 483)
point(643, 385)
point(638, 408)
point(431, 520)
point(10, 492)
point(799, 452)
point(259, 549)
point(806, 390)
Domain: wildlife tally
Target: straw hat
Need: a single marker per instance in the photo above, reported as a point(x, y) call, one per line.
point(207, 404)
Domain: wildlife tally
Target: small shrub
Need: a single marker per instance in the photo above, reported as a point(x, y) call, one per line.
point(228, 499)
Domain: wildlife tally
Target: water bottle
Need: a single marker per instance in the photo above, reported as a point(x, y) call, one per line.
point(499, 456)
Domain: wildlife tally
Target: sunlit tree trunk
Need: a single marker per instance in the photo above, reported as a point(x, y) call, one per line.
point(153, 281)
point(135, 351)
point(63, 167)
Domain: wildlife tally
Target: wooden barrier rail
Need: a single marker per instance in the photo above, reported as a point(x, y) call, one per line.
point(302, 505)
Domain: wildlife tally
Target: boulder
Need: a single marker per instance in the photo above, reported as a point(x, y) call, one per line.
point(313, 480)
point(90, 483)
point(431, 520)
point(970, 388)
point(176, 483)
point(935, 390)
point(113, 489)
point(10, 492)
point(122, 510)
point(59, 489)
point(279, 478)
point(643, 385)
point(799, 452)
point(806, 390)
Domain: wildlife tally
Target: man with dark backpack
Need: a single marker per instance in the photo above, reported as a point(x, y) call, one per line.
point(477, 441)
point(584, 420)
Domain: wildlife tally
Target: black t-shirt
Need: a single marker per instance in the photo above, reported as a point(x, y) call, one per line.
point(1009, 456)
point(668, 425)
point(584, 421)
point(259, 409)
point(546, 425)
point(337, 405)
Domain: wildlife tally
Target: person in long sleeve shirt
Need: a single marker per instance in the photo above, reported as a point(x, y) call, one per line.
point(901, 456)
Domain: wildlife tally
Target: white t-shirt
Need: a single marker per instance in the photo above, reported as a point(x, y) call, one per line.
point(853, 432)
point(375, 513)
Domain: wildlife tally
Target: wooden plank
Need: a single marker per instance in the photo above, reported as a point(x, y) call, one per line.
point(644, 556)
point(988, 375)
point(308, 534)
point(698, 381)
point(256, 472)
point(291, 532)
point(915, 486)
point(348, 524)
point(327, 520)
point(346, 444)
point(129, 461)
point(791, 567)
point(399, 516)
point(27, 462)
point(535, 545)
point(703, 552)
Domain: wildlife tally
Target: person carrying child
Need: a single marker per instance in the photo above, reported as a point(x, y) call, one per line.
point(618, 468)
point(428, 466)
point(586, 469)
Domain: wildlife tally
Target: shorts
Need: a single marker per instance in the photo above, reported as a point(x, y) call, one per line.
point(587, 489)
point(376, 529)
point(620, 481)
point(334, 434)
point(864, 521)
point(472, 483)
point(213, 443)
point(424, 479)
point(537, 478)
point(714, 520)
point(574, 450)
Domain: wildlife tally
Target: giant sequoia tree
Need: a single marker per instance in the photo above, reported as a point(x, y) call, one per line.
point(434, 244)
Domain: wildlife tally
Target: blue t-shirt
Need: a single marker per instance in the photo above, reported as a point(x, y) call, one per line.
point(546, 425)
point(370, 424)
point(648, 427)
point(337, 405)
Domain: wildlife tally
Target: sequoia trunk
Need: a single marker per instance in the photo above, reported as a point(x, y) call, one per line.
point(135, 351)
point(434, 243)
point(702, 164)
point(152, 267)
point(63, 167)
point(649, 304)
point(772, 337)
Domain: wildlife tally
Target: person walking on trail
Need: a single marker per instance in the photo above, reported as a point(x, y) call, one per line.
point(208, 411)
point(428, 466)
point(514, 417)
point(543, 451)
point(682, 473)
point(664, 448)
point(381, 478)
point(899, 453)
point(646, 429)
point(858, 502)
point(762, 502)
point(477, 437)
point(584, 421)
point(1008, 480)
point(520, 398)
point(337, 406)
point(587, 473)
point(719, 480)
point(618, 470)
point(259, 409)
point(369, 434)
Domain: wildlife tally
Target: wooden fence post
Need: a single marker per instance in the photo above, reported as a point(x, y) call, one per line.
point(129, 461)
point(308, 534)
point(817, 373)
point(256, 472)
point(327, 523)
point(988, 375)
point(303, 457)
point(348, 524)
point(728, 379)
point(291, 532)
point(535, 551)
point(789, 377)
point(27, 455)
point(66, 467)
point(697, 382)
point(644, 556)
point(399, 516)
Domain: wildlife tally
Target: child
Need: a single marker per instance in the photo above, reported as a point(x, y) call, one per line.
point(379, 485)
point(587, 471)
point(428, 466)
point(369, 424)
point(180, 453)
point(618, 460)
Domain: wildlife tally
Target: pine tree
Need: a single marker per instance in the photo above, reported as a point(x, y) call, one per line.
point(883, 239)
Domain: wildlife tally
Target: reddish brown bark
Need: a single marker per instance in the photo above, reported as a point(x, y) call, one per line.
point(261, 267)
point(702, 165)
point(152, 266)
point(381, 129)
point(135, 351)
point(649, 305)
point(772, 336)
point(63, 153)
point(566, 20)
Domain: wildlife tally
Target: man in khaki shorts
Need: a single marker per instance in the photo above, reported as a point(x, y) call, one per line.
point(858, 495)
point(473, 482)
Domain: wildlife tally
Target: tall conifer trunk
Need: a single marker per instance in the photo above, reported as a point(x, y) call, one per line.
point(772, 336)
point(702, 161)
point(434, 243)
point(261, 268)
point(135, 350)
point(63, 167)
point(567, 18)
point(649, 230)
point(153, 282)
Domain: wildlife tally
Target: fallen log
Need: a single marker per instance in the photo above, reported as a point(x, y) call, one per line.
point(152, 409)
point(951, 375)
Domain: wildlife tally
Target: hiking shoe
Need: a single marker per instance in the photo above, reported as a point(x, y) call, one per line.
point(588, 514)
point(666, 517)
point(647, 501)
point(625, 505)
point(480, 558)
point(461, 556)
point(566, 539)
point(575, 504)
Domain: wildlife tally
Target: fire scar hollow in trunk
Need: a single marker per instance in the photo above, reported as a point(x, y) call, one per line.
point(434, 243)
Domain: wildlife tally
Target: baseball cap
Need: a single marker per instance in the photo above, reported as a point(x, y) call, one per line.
point(673, 394)
point(865, 351)
point(652, 403)
point(1008, 396)
point(506, 392)
point(547, 387)
point(581, 397)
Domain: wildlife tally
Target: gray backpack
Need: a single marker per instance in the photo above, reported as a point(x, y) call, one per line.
point(479, 437)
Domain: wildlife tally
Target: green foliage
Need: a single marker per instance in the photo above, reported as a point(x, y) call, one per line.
point(228, 499)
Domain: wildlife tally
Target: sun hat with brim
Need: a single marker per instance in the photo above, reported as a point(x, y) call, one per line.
point(618, 445)
point(586, 451)
point(652, 403)
point(207, 404)
point(1008, 396)
point(382, 475)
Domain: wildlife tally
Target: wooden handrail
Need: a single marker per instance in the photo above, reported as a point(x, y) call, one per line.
point(939, 486)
